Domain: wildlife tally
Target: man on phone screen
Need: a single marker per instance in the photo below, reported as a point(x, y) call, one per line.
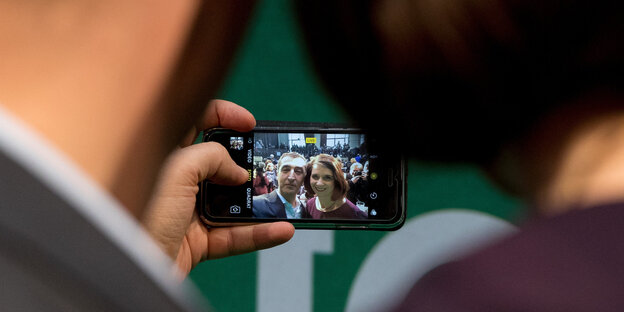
point(283, 202)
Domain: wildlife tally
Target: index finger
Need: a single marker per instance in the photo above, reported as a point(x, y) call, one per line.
point(236, 240)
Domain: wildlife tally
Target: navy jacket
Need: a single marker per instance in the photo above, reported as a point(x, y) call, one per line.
point(268, 206)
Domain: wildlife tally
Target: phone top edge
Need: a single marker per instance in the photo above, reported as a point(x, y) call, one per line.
point(259, 129)
point(277, 124)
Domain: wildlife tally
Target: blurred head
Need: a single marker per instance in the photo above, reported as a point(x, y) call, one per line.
point(291, 169)
point(130, 65)
point(195, 76)
point(475, 81)
point(325, 178)
point(460, 79)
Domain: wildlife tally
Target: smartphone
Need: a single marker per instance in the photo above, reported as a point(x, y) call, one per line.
point(314, 175)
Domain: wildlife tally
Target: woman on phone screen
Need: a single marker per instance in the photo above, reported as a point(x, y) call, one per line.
point(327, 187)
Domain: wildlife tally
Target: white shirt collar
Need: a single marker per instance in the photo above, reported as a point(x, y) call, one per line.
point(39, 156)
point(296, 209)
point(297, 202)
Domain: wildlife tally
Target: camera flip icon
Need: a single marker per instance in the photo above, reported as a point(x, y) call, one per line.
point(235, 209)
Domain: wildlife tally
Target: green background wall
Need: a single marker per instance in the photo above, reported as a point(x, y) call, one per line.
point(273, 78)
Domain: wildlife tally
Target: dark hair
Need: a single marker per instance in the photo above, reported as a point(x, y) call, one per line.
point(459, 79)
point(260, 176)
point(341, 186)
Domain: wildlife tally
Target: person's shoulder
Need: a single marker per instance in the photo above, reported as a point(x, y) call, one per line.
point(259, 198)
point(571, 259)
point(311, 203)
point(264, 205)
point(352, 206)
point(268, 197)
point(355, 210)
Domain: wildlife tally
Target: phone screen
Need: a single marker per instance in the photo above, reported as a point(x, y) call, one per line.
point(313, 178)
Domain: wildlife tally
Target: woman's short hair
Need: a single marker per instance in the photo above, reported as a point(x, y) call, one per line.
point(341, 186)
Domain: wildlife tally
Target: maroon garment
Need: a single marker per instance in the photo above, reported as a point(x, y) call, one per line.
point(573, 262)
point(347, 211)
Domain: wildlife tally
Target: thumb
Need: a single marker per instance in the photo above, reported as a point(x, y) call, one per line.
point(193, 164)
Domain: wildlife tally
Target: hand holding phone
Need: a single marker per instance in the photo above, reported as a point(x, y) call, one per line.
point(171, 217)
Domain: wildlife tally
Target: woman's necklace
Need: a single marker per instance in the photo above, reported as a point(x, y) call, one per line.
point(331, 207)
